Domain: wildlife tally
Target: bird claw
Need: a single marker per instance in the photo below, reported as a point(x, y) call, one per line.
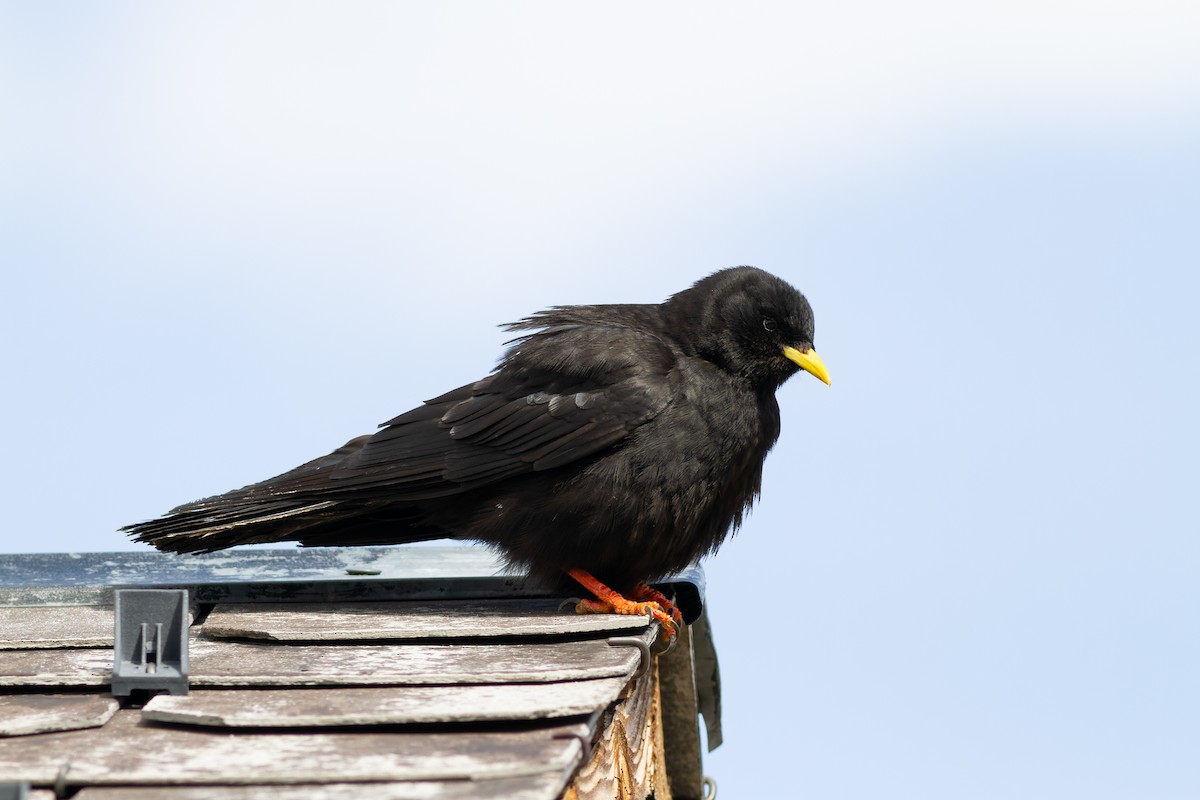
point(611, 602)
point(646, 592)
point(633, 608)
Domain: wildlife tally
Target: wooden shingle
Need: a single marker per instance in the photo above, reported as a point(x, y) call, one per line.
point(391, 705)
point(448, 619)
point(38, 627)
point(128, 751)
point(24, 714)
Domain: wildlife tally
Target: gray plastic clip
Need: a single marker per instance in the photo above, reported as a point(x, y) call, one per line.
point(151, 647)
point(10, 790)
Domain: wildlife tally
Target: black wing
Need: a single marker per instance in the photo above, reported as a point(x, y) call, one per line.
point(559, 396)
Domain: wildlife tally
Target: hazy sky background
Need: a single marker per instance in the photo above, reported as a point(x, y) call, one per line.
point(236, 235)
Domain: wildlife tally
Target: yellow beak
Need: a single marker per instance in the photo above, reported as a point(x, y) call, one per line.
point(809, 361)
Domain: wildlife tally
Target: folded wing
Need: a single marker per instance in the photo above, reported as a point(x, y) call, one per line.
point(561, 396)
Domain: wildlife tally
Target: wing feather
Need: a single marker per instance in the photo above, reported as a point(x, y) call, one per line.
point(559, 396)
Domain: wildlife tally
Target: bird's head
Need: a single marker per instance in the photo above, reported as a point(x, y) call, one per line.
point(749, 323)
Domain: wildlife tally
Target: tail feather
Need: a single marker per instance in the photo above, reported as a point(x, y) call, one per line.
point(208, 529)
point(262, 512)
point(327, 523)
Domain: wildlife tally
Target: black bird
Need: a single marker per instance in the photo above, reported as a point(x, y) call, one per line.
point(612, 443)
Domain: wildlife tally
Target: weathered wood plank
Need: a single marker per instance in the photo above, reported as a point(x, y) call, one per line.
point(128, 751)
point(395, 705)
point(547, 786)
point(680, 718)
point(55, 626)
point(628, 762)
point(24, 714)
point(235, 663)
point(215, 662)
point(451, 619)
point(56, 668)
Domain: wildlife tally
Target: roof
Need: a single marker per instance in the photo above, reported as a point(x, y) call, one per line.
point(423, 671)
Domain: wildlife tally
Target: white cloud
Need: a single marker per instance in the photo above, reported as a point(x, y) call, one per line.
point(494, 111)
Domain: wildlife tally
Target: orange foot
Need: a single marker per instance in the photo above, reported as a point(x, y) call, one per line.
point(611, 602)
point(643, 591)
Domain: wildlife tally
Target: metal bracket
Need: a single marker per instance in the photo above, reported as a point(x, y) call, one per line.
point(640, 644)
point(150, 652)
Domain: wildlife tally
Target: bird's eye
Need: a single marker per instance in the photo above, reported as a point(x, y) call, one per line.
point(770, 324)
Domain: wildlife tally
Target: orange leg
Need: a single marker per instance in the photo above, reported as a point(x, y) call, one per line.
point(611, 602)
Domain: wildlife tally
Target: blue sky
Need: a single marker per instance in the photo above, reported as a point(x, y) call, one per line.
point(236, 236)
